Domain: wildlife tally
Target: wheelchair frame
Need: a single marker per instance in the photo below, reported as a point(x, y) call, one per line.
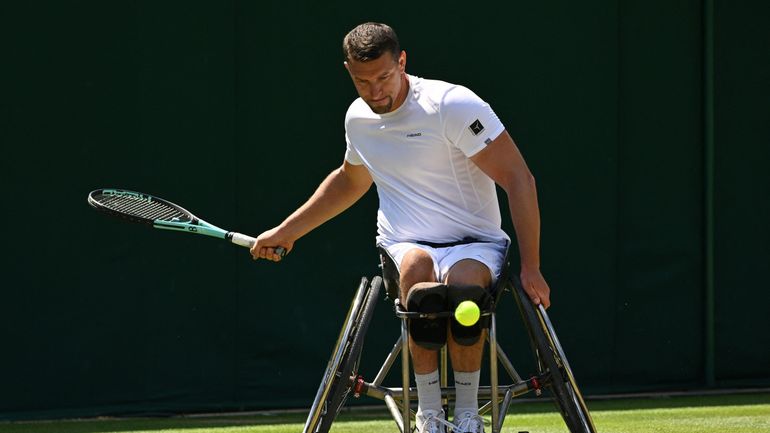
point(341, 376)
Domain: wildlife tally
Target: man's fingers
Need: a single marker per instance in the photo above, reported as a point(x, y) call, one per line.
point(537, 296)
point(268, 253)
point(261, 253)
point(271, 253)
point(545, 298)
point(536, 288)
point(532, 293)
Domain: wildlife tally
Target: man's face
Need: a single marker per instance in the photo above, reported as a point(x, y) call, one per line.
point(380, 82)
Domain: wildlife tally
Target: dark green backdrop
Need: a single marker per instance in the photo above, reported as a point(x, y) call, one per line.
point(235, 109)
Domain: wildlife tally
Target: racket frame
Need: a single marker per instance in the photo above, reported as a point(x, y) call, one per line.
point(194, 225)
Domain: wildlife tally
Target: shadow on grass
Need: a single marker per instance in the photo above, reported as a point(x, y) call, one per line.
point(658, 402)
point(126, 425)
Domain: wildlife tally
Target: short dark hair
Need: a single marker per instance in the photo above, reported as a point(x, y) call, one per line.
point(369, 41)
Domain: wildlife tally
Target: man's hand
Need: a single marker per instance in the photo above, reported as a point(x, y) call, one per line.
point(536, 287)
point(267, 242)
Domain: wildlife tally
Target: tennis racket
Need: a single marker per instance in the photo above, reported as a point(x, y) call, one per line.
point(162, 214)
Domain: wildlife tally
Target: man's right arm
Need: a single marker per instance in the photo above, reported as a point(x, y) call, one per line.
point(341, 188)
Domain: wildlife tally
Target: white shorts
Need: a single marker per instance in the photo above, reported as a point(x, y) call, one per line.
point(489, 253)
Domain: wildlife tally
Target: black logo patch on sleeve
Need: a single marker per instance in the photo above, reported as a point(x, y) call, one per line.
point(476, 127)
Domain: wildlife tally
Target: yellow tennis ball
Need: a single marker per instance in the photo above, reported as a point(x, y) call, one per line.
point(467, 313)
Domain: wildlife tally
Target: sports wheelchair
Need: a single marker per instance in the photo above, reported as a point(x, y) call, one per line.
point(342, 372)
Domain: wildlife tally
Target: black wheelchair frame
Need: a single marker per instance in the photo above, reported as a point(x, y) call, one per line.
point(342, 372)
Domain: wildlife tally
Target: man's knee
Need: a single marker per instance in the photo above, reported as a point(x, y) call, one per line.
point(428, 298)
point(468, 335)
point(416, 266)
point(469, 272)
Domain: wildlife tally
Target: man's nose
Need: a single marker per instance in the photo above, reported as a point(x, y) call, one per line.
point(375, 90)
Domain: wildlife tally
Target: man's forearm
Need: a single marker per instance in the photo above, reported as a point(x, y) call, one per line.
point(525, 214)
point(335, 194)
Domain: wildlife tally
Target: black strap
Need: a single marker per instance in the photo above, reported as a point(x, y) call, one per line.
point(463, 241)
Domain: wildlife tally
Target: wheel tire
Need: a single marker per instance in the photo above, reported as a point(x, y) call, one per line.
point(550, 358)
point(342, 368)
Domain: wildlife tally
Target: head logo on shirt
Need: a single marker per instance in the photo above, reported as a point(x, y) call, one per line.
point(476, 127)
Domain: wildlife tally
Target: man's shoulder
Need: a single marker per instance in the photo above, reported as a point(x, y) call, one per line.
point(358, 109)
point(434, 90)
point(443, 93)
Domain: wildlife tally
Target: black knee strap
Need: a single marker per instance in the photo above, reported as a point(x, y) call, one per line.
point(428, 298)
point(468, 335)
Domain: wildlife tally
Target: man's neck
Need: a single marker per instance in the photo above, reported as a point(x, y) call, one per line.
point(404, 91)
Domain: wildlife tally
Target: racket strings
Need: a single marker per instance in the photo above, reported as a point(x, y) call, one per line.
point(142, 208)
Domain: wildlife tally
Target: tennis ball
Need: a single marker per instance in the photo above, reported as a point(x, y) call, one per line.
point(467, 313)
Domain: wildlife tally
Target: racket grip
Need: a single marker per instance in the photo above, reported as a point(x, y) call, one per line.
point(241, 239)
point(248, 242)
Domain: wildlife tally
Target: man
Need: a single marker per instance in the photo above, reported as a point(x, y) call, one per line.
point(435, 151)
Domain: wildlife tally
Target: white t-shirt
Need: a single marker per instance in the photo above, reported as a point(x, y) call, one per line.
point(418, 156)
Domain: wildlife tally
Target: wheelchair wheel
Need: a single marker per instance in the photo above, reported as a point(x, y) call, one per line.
point(551, 359)
point(342, 368)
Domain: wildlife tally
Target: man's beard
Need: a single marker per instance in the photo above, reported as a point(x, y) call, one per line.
point(382, 109)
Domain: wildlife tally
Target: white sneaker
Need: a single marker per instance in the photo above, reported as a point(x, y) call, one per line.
point(432, 421)
point(469, 422)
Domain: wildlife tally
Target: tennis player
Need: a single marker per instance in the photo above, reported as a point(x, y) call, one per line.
point(435, 151)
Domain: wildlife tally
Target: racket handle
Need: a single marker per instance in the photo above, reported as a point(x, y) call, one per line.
point(248, 242)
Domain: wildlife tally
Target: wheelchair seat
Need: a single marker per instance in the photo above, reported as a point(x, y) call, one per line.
point(391, 277)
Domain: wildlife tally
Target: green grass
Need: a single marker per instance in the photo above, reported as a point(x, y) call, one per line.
point(742, 413)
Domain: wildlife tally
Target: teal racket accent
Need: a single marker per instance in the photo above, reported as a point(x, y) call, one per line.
point(201, 228)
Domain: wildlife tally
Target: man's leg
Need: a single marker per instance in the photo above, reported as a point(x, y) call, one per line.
point(466, 360)
point(417, 267)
